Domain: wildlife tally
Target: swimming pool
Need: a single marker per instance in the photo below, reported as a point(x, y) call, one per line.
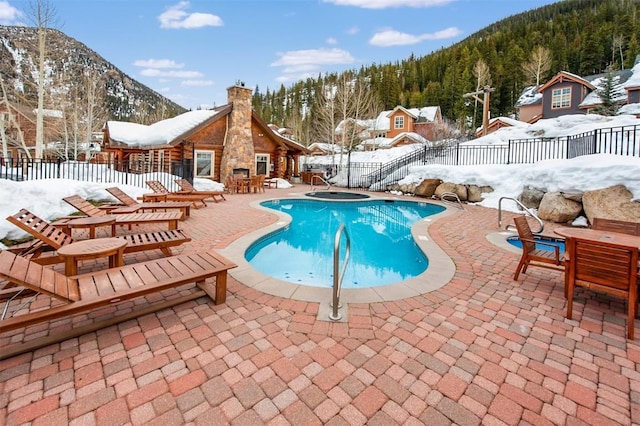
point(382, 248)
point(515, 241)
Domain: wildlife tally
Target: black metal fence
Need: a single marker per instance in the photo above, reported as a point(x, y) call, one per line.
point(134, 173)
point(615, 140)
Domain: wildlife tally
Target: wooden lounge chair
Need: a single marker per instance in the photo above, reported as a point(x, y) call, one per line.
point(85, 292)
point(533, 256)
point(621, 226)
point(161, 193)
point(171, 218)
point(51, 237)
point(127, 201)
point(187, 188)
point(604, 267)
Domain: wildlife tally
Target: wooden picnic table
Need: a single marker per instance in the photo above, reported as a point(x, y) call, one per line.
point(113, 248)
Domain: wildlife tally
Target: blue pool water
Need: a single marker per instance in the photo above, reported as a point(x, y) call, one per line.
point(515, 241)
point(382, 248)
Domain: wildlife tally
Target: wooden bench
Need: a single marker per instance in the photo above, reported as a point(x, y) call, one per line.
point(161, 193)
point(82, 293)
point(84, 206)
point(52, 237)
point(135, 206)
point(187, 188)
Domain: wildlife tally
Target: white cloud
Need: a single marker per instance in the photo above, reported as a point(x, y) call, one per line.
point(383, 4)
point(176, 17)
point(197, 83)
point(315, 57)
point(152, 72)
point(9, 15)
point(353, 30)
point(157, 63)
point(396, 38)
point(331, 40)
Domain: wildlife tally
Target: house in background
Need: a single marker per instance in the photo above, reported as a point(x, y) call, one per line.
point(400, 126)
point(568, 93)
point(498, 123)
point(19, 124)
point(323, 148)
point(230, 139)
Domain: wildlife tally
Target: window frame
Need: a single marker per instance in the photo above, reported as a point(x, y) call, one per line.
point(212, 154)
point(398, 122)
point(561, 98)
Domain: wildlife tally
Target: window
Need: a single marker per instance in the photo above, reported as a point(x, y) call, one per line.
point(262, 163)
point(204, 164)
point(561, 98)
point(398, 122)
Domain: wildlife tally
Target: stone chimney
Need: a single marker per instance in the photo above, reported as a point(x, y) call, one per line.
point(238, 153)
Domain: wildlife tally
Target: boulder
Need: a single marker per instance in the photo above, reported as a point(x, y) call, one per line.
point(474, 192)
point(554, 207)
point(427, 187)
point(530, 197)
point(613, 202)
point(459, 190)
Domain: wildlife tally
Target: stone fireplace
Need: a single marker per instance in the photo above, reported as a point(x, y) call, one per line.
point(238, 150)
point(243, 172)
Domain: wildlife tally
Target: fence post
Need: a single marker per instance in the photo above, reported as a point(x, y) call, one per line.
point(595, 141)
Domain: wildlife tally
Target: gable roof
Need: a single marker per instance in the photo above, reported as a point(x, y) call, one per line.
point(164, 132)
point(172, 131)
point(562, 76)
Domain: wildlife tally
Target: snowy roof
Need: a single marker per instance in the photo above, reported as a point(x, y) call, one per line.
point(631, 109)
point(634, 79)
point(324, 146)
point(529, 96)
point(390, 142)
point(506, 120)
point(593, 98)
point(160, 133)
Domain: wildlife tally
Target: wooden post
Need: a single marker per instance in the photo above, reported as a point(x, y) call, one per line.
point(485, 92)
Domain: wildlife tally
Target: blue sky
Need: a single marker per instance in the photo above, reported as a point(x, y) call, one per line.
point(191, 51)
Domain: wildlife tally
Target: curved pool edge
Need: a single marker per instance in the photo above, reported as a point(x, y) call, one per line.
point(440, 271)
point(499, 239)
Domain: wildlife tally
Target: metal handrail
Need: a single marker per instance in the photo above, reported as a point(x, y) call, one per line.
point(322, 179)
point(337, 277)
point(451, 194)
point(526, 209)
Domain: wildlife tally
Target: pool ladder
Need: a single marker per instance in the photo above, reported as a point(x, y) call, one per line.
point(451, 197)
point(523, 207)
point(316, 177)
point(338, 274)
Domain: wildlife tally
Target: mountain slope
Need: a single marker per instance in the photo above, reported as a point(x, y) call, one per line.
point(71, 70)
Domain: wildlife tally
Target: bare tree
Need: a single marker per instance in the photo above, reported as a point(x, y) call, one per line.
point(538, 65)
point(43, 16)
point(616, 45)
point(482, 73)
point(10, 130)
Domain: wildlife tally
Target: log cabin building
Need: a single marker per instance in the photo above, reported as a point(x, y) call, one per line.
point(214, 144)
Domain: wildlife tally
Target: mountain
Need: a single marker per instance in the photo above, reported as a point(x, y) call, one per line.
point(75, 74)
point(583, 37)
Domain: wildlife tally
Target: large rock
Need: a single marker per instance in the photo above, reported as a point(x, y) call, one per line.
point(474, 193)
point(427, 187)
point(613, 202)
point(531, 197)
point(459, 190)
point(556, 208)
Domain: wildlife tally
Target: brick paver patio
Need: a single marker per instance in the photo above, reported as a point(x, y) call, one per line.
point(483, 349)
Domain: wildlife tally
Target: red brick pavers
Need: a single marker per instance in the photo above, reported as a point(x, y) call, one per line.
point(483, 349)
